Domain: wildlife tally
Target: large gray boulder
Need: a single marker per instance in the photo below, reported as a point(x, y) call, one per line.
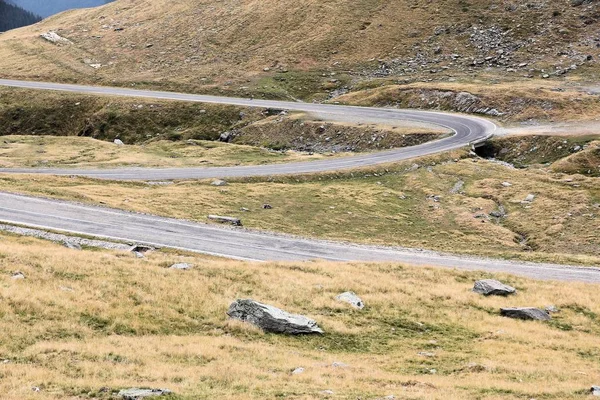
point(527, 313)
point(272, 319)
point(489, 287)
point(136, 394)
point(352, 299)
point(595, 391)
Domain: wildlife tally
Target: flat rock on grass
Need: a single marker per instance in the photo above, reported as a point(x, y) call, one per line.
point(181, 266)
point(489, 287)
point(352, 299)
point(135, 394)
point(272, 319)
point(526, 313)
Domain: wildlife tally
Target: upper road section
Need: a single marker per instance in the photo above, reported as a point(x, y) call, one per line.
point(468, 130)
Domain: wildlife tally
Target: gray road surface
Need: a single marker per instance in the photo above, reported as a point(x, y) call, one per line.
point(246, 244)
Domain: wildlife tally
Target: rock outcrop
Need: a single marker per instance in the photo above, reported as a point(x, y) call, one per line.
point(272, 319)
point(489, 287)
point(526, 313)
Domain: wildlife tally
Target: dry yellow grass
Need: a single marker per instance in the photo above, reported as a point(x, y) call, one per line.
point(52, 151)
point(86, 320)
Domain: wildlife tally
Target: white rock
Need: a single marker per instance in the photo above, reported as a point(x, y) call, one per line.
point(219, 182)
point(55, 38)
point(506, 184)
point(18, 275)
point(298, 371)
point(118, 142)
point(181, 266)
point(352, 299)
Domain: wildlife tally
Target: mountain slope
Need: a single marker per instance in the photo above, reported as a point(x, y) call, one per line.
point(46, 8)
point(195, 43)
point(12, 17)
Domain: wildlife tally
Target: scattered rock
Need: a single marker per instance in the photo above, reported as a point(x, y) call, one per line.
point(55, 38)
point(225, 220)
point(226, 137)
point(328, 392)
point(337, 364)
point(140, 248)
point(352, 299)
point(529, 198)
point(506, 184)
point(71, 245)
point(551, 309)
point(298, 371)
point(219, 182)
point(526, 313)
point(136, 394)
point(267, 207)
point(595, 391)
point(426, 354)
point(489, 287)
point(181, 266)
point(119, 142)
point(458, 187)
point(18, 275)
point(272, 319)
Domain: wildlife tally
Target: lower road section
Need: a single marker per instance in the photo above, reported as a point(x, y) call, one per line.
point(245, 244)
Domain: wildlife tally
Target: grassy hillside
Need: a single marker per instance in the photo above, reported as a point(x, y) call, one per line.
point(298, 45)
point(84, 324)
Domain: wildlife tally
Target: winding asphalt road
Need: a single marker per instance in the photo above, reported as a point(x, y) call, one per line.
point(468, 130)
point(247, 244)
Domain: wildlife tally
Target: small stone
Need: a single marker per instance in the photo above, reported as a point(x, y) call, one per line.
point(426, 354)
point(18, 275)
point(137, 394)
point(595, 391)
point(118, 142)
point(489, 287)
point(506, 184)
point(529, 198)
point(71, 245)
point(551, 309)
point(267, 207)
point(352, 299)
point(140, 248)
point(219, 182)
point(226, 220)
point(337, 364)
point(181, 266)
point(327, 392)
point(298, 371)
point(525, 313)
